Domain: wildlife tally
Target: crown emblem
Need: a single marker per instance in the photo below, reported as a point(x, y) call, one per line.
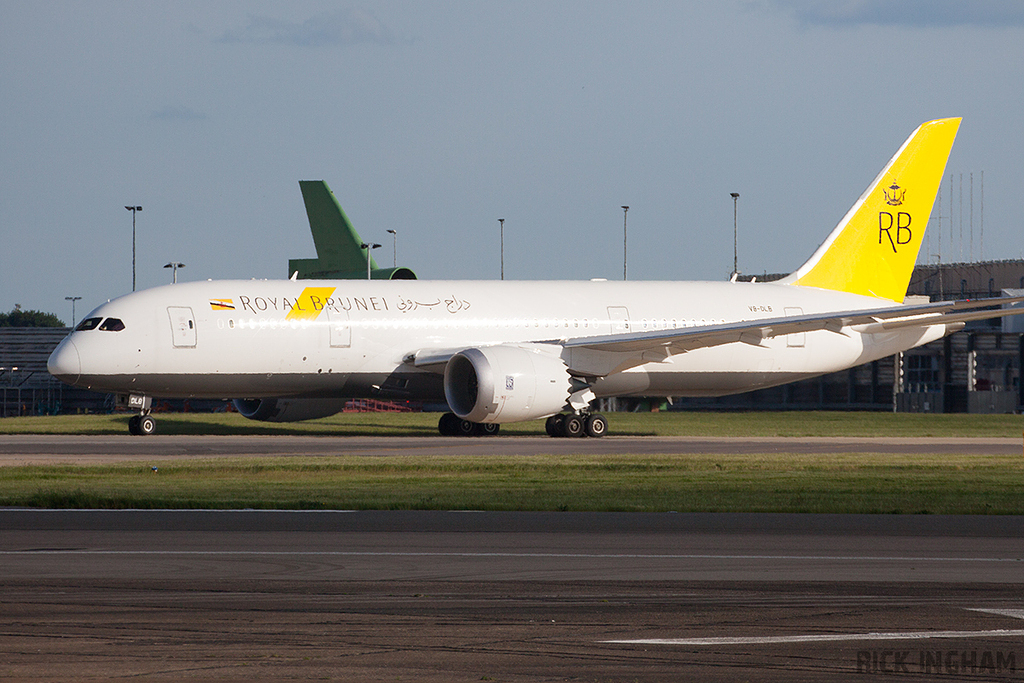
point(894, 194)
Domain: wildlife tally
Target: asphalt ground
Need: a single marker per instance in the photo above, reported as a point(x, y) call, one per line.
point(28, 449)
point(470, 596)
point(463, 596)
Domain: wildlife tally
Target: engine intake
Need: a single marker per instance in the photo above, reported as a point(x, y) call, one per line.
point(505, 384)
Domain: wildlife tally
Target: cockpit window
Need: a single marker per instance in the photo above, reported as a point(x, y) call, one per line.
point(112, 325)
point(88, 324)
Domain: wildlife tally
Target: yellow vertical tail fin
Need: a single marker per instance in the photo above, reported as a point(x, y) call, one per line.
point(873, 249)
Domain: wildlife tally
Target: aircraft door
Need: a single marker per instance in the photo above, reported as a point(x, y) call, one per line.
point(341, 328)
point(183, 326)
point(619, 315)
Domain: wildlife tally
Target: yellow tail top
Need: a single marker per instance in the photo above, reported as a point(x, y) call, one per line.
point(873, 249)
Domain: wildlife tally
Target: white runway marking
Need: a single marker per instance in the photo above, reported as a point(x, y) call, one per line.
point(1015, 613)
point(822, 638)
point(626, 556)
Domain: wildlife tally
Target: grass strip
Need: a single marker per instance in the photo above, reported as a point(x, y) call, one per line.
point(776, 482)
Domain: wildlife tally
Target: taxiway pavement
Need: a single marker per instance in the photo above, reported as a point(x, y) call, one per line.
point(469, 596)
point(25, 449)
point(460, 596)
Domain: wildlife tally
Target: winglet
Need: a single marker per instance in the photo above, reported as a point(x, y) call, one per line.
point(873, 249)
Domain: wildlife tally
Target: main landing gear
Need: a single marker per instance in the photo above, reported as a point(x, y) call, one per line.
point(563, 425)
point(451, 424)
point(576, 425)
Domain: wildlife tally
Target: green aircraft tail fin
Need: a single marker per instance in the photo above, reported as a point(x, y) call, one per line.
point(337, 242)
point(338, 250)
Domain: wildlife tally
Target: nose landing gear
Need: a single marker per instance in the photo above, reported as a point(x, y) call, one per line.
point(142, 424)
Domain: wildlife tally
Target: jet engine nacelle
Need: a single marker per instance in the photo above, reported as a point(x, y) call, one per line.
point(288, 409)
point(505, 384)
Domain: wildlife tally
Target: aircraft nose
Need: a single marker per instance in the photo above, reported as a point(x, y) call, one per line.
point(65, 364)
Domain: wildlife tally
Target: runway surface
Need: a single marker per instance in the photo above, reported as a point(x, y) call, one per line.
point(47, 449)
point(470, 596)
point(464, 596)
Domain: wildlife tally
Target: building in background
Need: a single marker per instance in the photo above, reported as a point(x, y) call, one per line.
point(976, 370)
point(26, 388)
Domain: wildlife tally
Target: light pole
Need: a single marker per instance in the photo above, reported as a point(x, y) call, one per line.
point(174, 265)
point(735, 267)
point(368, 246)
point(134, 210)
point(502, 232)
point(625, 210)
point(10, 383)
point(72, 299)
point(394, 249)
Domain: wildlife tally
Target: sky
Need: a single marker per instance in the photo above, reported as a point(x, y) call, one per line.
point(435, 119)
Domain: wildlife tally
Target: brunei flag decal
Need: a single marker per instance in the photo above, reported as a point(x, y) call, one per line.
point(222, 304)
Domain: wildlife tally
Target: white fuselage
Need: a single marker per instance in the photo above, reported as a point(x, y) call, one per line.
point(350, 338)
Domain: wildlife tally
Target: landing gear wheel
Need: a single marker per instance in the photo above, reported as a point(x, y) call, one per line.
point(448, 425)
point(141, 425)
point(572, 426)
point(466, 428)
point(553, 425)
point(147, 425)
point(595, 425)
point(486, 429)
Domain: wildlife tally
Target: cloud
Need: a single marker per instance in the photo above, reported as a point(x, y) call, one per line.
point(906, 13)
point(176, 113)
point(348, 27)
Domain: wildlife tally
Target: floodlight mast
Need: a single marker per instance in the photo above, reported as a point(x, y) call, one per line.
point(174, 265)
point(72, 299)
point(394, 249)
point(368, 246)
point(625, 210)
point(501, 229)
point(134, 210)
point(735, 261)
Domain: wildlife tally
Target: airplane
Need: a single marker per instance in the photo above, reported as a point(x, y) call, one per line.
point(499, 352)
point(339, 251)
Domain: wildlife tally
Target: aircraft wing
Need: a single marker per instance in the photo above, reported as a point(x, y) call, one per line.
point(432, 360)
point(753, 332)
point(665, 343)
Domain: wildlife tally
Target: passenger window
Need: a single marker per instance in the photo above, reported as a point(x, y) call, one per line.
point(112, 325)
point(88, 324)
